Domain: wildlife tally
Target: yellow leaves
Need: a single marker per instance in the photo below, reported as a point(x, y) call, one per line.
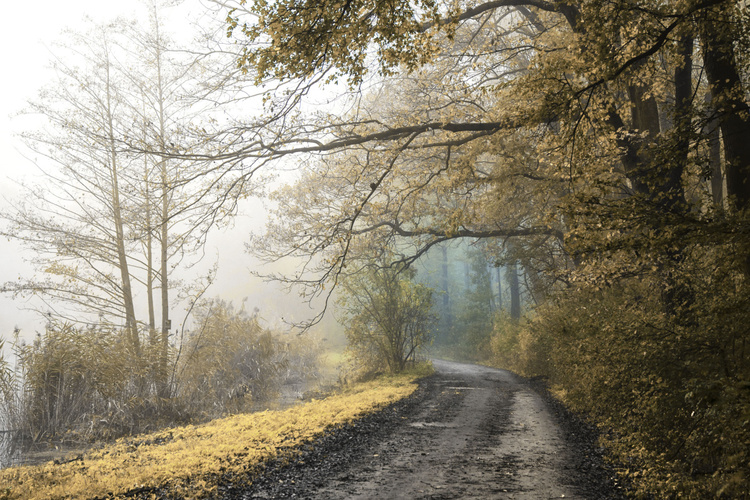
point(61, 269)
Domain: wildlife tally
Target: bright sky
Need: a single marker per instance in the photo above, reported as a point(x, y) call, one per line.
point(26, 33)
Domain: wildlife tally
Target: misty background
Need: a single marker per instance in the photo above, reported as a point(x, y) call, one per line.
point(28, 36)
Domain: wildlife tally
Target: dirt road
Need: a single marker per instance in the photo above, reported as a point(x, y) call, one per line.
point(470, 432)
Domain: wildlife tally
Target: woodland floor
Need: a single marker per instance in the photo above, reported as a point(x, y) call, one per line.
point(468, 432)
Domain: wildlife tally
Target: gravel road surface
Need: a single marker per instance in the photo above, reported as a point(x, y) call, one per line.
point(468, 432)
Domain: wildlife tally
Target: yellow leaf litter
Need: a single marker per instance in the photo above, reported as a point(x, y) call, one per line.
point(187, 461)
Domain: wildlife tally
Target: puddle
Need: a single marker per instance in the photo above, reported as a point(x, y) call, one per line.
point(14, 453)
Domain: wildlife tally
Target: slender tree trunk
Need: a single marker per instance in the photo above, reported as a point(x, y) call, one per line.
point(493, 304)
point(165, 194)
point(467, 277)
point(714, 159)
point(131, 325)
point(713, 135)
point(165, 322)
point(446, 295)
point(683, 114)
point(150, 272)
point(147, 197)
point(515, 291)
point(677, 295)
point(499, 289)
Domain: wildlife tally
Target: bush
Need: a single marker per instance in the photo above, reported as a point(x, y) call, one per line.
point(231, 364)
point(504, 344)
point(387, 317)
point(674, 392)
point(76, 384)
point(8, 391)
point(85, 384)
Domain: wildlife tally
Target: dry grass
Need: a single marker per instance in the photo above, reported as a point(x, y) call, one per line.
point(188, 460)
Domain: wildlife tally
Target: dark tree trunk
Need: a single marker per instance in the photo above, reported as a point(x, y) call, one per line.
point(728, 100)
point(515, 291)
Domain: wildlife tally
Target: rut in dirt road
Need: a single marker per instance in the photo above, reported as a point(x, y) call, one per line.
point(473, 432)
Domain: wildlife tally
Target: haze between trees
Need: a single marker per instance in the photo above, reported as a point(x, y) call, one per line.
point(600, 146)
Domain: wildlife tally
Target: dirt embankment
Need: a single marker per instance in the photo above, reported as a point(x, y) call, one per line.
point(468, 432)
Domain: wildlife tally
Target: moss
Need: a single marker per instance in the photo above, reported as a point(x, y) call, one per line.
point(188, 460)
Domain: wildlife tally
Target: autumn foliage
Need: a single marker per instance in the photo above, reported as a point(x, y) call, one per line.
point(598, 148)
point(602, 146)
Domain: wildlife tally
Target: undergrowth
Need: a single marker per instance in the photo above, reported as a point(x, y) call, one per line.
point(672, 395)
point(187, 461)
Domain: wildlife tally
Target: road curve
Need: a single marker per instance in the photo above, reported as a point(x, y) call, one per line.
point(474, 432)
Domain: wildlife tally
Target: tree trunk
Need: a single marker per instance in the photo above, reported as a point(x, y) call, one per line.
point(165, 193)
point(493, 304)
point(131, 325)
point(515, 291)
point(732, 110)
point(446, 295)
point(147, 197)
point(714, 159)
point(499, 290)
point(683, 113)
point(713, 135)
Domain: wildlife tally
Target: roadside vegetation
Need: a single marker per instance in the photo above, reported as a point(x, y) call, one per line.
point(189, 461)
point(387, 318)
point(672, 399)
point(77, 386)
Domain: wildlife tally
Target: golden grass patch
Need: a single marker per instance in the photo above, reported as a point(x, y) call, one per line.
point(188, 460)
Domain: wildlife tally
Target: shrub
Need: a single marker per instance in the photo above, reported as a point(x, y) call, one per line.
point(673, 392)
point(231, 364)
point(387, 316)
point(87, 384)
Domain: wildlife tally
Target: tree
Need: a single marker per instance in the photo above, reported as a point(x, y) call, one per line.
point(387, 317)
point(79, 230)
point(578, 130)
point(111, 192)
point(595, 131)
point(173, 206)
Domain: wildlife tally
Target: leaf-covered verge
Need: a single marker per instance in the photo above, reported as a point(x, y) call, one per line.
point(188, 462)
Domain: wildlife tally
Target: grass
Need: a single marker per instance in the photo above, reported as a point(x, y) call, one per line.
point(187, 461)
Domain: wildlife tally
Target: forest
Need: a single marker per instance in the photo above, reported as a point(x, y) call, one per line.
point(557, 188)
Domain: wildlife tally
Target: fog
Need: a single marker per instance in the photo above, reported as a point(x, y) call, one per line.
point(32, 33)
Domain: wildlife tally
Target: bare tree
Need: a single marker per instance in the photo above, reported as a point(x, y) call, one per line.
point(111, 190)
point(76, 221)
